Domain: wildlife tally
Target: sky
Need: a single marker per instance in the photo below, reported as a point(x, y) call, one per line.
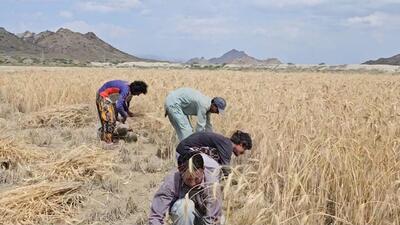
point(294, 31)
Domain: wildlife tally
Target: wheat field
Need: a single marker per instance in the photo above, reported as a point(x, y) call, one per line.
point(326, 146)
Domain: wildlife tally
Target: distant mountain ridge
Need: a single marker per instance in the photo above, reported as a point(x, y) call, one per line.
point(234, 57)
point(62, 44)
point(13, 45)
point(394, 60)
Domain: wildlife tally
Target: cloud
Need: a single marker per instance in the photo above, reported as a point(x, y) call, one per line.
point(145, 12)
point(36, 1)
point(38, 15)
point(376, 20)
point(101, 29)
point(327, 3)
point(286, 3)
point(287, 32)
point(66, 14)
point(201, 28)
point(106, 6)
point(386, 1)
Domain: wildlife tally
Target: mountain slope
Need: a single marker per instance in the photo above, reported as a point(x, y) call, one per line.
point(234, 57)
point(12, 45)
point(394, 60)
point(83, 47)
point(229, 57)
point(63, 44)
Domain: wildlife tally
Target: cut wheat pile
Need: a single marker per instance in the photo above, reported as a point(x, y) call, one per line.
point(80, 164)
point(59, 116)
point(39, 203)
point(17, 153)
point(52, 191)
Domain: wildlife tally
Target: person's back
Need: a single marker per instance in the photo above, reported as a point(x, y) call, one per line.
point(189, 100)
point(184, 102)
point(217, 146)
point(220, 145)
point(114, 87)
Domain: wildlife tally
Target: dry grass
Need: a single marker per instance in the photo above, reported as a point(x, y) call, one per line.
point(79, 164)
point(47, 185)
point(17, 153)
point(62, 116)
point(326, 145)
point(39, 203)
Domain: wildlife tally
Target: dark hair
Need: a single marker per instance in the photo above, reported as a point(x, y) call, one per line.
point(138, 86)
point(197, 159)
point(242, 138)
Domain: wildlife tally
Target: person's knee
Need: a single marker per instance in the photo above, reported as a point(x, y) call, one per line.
point(180, 134)
point(183, 209)
point(182, 205)
point(186, 133)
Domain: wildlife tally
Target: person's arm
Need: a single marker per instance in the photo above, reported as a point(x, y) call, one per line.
point(225, 148)
point(201, 118)
point(213, 216)
point(208, 123)
point(127, 105)
point(162, 201)
point(213, 203)
point(121, 102)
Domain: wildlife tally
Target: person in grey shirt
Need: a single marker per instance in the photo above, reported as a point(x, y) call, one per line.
point(217, 146)
point(187, 193)
point(184, 102)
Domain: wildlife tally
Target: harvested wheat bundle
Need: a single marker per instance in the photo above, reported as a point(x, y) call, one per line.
point(60, 116)
point(79, 164)
point(39, 203)
point(15, 153)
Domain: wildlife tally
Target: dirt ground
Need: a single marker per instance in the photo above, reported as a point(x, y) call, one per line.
point(142, 169)
point(124, 194)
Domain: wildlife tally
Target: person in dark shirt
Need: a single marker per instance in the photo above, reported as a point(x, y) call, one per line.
point(216, 145)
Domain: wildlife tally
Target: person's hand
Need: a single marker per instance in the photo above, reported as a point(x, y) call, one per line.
point(122, 119)
point(226, 171)
point(130, 114)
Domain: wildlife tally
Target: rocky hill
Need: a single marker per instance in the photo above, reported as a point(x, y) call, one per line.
point(201, 60)
point(234, 57)
point(63, 44)
point(394, 60)
point(12, 45)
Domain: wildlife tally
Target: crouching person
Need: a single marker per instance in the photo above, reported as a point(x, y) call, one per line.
point(113, 99)
point(216, 145)
point(190, 194)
